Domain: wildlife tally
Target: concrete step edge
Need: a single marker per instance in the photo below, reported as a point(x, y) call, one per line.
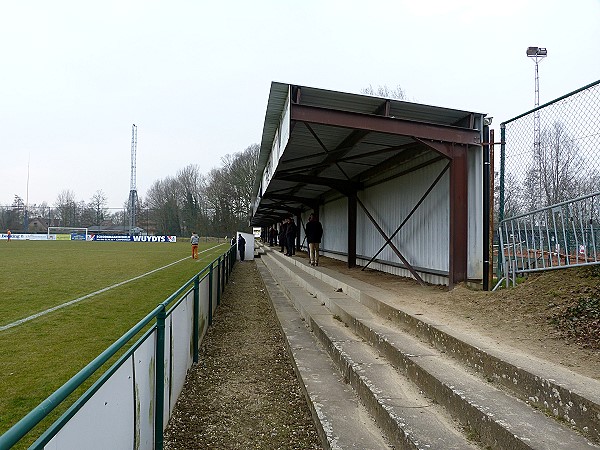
point(500, 420)
point(565, 395)
point(403, 430)
point(342, 423)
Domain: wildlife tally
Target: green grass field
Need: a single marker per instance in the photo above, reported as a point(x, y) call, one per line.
point(40, 355)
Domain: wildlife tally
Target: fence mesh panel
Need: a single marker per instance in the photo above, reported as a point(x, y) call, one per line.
point(548, 192)
point(551, 154)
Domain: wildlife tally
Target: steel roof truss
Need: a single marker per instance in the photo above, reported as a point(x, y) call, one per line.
point(389, 125)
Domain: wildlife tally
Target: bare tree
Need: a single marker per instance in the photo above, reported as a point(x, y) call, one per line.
point(97, 206)
point(556, 171)
point(66, 206)
point(384, 91)
point(189, 185)
point(162, 200)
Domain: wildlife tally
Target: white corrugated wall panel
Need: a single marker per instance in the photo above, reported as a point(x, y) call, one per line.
point(334, 218)
point(423, 240)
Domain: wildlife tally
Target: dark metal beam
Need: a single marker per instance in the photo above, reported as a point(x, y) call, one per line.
point(352, 214)
point(389, 125)
point(339, 185)
point(410, 152)
point(278, 207)
point(459, 223)
point(292, 198)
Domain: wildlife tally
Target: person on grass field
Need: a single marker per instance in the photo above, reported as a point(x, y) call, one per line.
point(194, 241)
point(8, 234)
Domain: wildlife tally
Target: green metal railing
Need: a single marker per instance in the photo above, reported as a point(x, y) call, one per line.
point(223, 264)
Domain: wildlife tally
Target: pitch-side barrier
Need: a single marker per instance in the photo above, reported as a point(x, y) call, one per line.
point(563, 235)
point(130, 404)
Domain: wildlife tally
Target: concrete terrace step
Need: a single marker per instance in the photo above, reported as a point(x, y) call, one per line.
point(486, 411)
point(341, 419)
point(559, 392)
point(408, 418)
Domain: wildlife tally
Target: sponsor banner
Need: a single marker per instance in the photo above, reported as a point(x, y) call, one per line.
point(126, 238)
point(63, 237)
point(154, 238)
point(26, 237)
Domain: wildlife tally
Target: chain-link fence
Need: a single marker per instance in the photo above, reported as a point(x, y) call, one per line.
point(549, 157)
point(551, 154)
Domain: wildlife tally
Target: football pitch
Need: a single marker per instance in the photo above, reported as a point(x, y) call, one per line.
point(64, 302)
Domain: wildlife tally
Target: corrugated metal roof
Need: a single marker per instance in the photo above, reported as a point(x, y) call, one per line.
point(314, 149)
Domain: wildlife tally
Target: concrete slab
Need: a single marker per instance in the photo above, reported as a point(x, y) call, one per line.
point(342, 421)
point(570, 397)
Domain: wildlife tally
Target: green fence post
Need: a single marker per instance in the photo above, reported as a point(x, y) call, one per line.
point(224, 280)
point(501, 199)
point(160, 379)
point(210, 294)
point(219, 281)
point(196, 332)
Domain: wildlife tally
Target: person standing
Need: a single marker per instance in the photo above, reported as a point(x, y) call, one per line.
point(314, 233)
point(272, 236)
point(194, 241)
point(8, 234)
point(241, 246)
point(282, 238)
point(290, 233)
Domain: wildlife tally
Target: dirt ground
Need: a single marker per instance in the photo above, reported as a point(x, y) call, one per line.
point(244, 394)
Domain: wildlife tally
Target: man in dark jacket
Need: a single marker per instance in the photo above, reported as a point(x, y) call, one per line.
point(314, 233)
point(241, 246)
point(281, 236)
point(272, 236)
point(290, 233)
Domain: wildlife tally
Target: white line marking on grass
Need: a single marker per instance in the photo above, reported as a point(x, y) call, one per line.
point(77, 300)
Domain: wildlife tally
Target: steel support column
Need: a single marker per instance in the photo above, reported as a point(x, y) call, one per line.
point(352, 210)
point(298, 225)
point(458, 216)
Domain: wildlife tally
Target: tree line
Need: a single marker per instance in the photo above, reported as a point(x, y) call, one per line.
point(213, 204)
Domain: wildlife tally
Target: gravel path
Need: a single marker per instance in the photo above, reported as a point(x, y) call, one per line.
point(244, 393)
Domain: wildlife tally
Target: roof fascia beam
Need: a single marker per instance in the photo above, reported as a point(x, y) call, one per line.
point(388, 125)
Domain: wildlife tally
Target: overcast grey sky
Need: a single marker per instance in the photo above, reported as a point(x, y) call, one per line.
point(195, 75)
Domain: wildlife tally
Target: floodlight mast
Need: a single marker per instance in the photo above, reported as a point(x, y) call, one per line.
point(537, 54)
point(133, 197)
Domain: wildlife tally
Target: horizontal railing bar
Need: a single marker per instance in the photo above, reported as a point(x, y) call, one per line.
point(557, 205)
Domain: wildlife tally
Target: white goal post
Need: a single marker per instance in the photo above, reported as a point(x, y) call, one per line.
point(74, 233)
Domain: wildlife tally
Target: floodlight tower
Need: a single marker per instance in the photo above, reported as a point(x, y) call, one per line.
point(133, 197)
point(536, 54)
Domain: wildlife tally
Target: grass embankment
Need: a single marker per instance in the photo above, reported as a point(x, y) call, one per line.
point(40, 355)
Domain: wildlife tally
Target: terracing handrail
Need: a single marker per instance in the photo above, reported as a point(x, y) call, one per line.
point(562, 235)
